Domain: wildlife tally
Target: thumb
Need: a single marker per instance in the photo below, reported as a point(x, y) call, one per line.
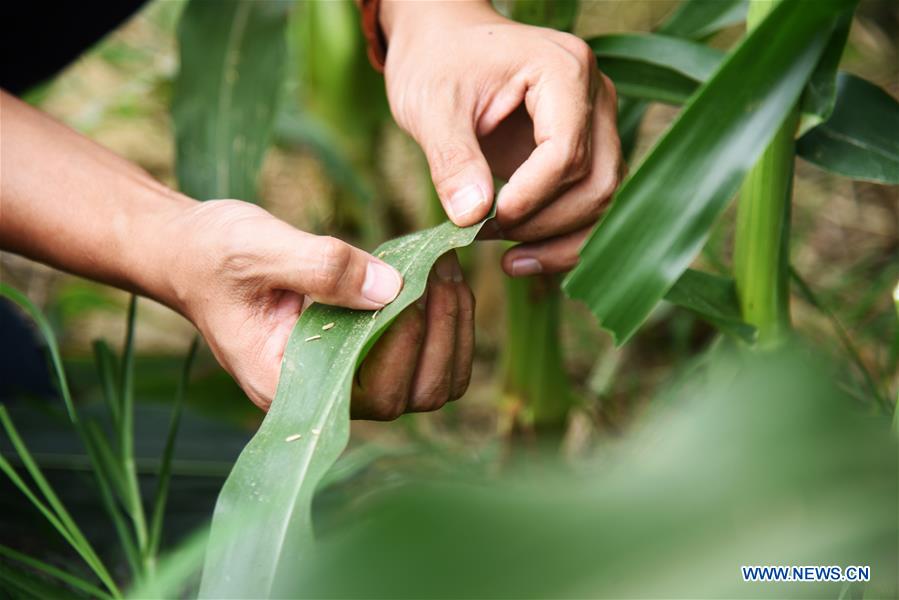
point(458, 168)
point(333, 272)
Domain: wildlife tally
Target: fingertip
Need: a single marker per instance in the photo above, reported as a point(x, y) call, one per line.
point(382, 283)
point(469, 204)
point(520, 261)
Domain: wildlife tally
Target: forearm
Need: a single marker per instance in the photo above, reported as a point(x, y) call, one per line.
point(74, 205)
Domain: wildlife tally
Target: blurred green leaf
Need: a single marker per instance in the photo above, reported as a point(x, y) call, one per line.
point(860, 138)
point(667, 206)
point(556, 14)
point(820, 93)
point(232, 69)
point(175, 571)
point(51, 507)
point(269, 491)
point(48, 569)
point(165, 469)
point(654, 67)
point(698, 19)
point(296, 129)
point(712, 298)
point(755, 459)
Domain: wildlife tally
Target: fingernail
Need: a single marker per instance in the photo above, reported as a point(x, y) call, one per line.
point(445, 269)
point(465, 201)
point(382, 283)
point(457, 272)
point(526, 266)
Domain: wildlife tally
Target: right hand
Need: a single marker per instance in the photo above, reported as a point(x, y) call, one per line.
point(243, 277)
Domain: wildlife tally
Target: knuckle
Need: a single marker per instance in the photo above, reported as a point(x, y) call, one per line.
point(605, 188)
point(332, 264)
point(460, 386)
point(448, 159)
point(581, 54)
point(574, 158)
point(581, 51)
point(512, 212)
point(389, 406)
point(432, 397)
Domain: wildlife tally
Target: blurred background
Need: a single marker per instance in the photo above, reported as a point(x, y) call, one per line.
point(341, 167)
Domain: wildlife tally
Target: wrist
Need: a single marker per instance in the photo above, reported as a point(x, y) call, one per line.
point(400, 17)
point(152, 236)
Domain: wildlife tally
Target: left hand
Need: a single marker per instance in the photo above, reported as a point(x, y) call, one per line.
point(484, 95)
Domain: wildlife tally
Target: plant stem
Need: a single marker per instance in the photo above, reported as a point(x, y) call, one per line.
point(762, 241)
point(534, 379)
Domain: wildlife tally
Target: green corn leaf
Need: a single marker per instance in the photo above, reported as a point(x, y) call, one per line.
point(48, 569)
point(100, 457)
point(654, 67)
point(820, 93)
point(107, 368)
point(268, 494)
point(232, 66)
point(165, 468)
point(132, 496)
point(175, 571)
point(663, 212)
point(698, 19)
point(712, 298)
point(556, 14)
point(53, 510)
point(26, 586)
point(860, 139)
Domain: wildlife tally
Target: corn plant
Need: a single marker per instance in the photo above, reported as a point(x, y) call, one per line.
point(535, 387)
point(113, 468)
point(742, 112)
point(736, 104)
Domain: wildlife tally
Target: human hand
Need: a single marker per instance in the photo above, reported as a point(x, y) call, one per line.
point(250, 275)
point(482, 94)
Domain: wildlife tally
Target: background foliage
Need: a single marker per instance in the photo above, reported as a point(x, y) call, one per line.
point(340, 167)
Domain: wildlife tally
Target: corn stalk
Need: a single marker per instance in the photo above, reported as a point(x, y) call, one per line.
point(762, 241)
point(534, 383)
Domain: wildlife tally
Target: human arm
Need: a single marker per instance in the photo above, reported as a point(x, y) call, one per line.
point(240, 275)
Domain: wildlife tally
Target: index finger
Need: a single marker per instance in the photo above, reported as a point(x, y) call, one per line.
point(561, 107)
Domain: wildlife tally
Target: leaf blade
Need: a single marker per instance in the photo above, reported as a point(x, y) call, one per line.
point(224, 105)
point(668, 205)
point(698, 19)
point(859, 139)
point(277, 473)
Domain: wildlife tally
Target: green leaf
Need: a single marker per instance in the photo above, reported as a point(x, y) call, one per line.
point(556, 14)
point(654, 67)
point(107, 368)
point(48, 569)
point(61, 521)
point(232, 67)
point(698, 19)
point(663, 212)
point(132, 497)
point(175, 571)
point(859, 140)
point(28, 586)
point(268, 494)
point(820, 93)
point(165, 469)
point(712, 298)
point(53, 510)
